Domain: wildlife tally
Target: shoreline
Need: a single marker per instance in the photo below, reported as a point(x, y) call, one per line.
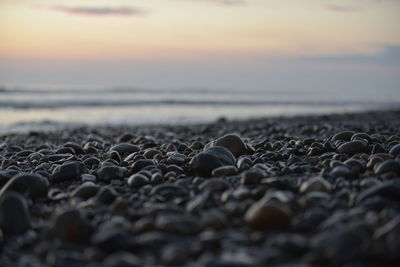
point(315, 190)
point(51, 126)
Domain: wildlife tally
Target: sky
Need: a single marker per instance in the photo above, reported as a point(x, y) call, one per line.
point(256, 44)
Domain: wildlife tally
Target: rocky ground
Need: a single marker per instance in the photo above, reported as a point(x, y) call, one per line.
point(303, 191)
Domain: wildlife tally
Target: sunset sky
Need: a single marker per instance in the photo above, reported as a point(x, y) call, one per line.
point(201, 43)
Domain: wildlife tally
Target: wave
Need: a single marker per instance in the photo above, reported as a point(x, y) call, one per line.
point(27, 104)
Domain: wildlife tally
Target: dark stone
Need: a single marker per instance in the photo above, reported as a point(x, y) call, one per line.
point(68, 171)
point(125, 149)
point(32, 185)
point(14, 217)
point(86, 190)
point(109, 173)
point(387, 166)
point(343, 136)
point(205, 162)
point(233, 143)
point(141, 164)
point(72, 226)
point(262, 216)
point(389, 190)
point(225, 171)
point(352, 147)
point(137, 180)
point(395, 150)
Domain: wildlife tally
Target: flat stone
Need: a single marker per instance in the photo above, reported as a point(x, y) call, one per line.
point(353, 147)
point(86, 190)
point(225, 171)
point(125, 148)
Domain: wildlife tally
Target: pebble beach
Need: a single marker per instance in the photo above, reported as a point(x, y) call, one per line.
point(299, 191)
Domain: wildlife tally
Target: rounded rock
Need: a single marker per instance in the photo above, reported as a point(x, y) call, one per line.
point(32, 185)
point(268, 216)
point(206, 161)
point(14, 217)
point(72, 226)
point(352, 147)
point(137, 180)
point(233, 143)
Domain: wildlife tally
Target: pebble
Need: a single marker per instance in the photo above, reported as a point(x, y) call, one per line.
point(395, 150)
point(225, 171)
point(137, 180)
point(109, 173)
point(32, 185)
point(205, 162)
point(67, 171)
point(352, 147)
point(251, 177)
point(71, 226)
point(315, 184)
point(85, 190)
point(343, 136)
point(263, 216)
point(124, 148)
point(389, 190)
point(387, 166)
point(233, 143)
point(14, 216)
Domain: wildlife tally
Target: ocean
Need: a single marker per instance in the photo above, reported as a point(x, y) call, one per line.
point(43, 107)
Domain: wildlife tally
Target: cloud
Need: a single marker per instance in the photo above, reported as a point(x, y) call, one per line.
point(222, 2)
point(97, 11)
point(342, 8)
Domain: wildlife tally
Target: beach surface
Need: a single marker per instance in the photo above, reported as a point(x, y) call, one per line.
point(319, 190)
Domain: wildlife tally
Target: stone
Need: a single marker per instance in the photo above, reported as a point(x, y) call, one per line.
point(225, 171)
point(233, 143)
point(125, 148)
point(206, 161)
point(71, 226)
point(352, 147)
point(85, 190)
point(251, 177)
point(268, 216)
point(14, 216)
point(70, 170)
point(109, 173)
point(395, 150)
point(137, 180)
point(141, 164)
point(387, 166)
point(389, 190)
point(31, 185)
point(315, 184)
point(343, 136)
